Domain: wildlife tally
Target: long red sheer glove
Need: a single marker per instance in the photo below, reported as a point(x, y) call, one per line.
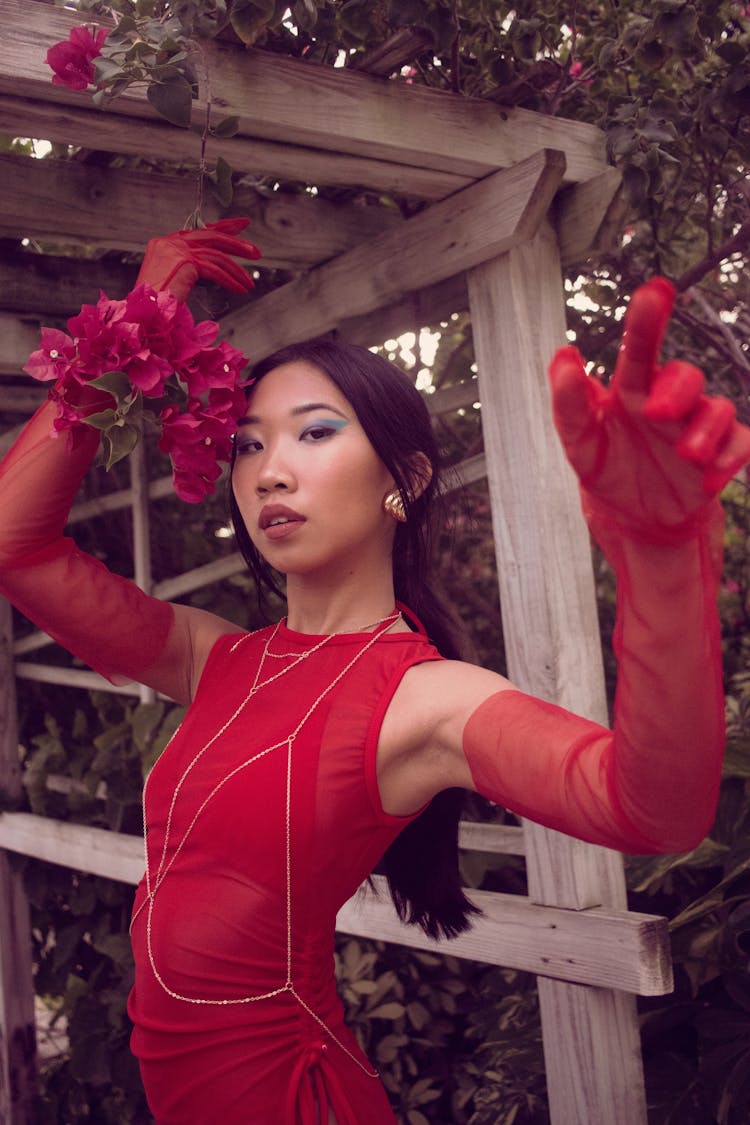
point(105, 620)
point(176, 261)
point(651, 451)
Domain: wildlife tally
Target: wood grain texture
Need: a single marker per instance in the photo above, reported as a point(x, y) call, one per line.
point(288, 101)
point(114, 208)
point(482, 221)
point(593, 1062)
point(552, 645)
point(107, 131)
point(541, 542)
point(17, 1034)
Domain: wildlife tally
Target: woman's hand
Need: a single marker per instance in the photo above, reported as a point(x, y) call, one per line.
point(652, 448)
point(176, 261)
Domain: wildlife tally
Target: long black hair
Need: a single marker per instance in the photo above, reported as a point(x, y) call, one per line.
point(421, 865)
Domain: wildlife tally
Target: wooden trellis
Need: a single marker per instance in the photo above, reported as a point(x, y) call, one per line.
point(510, 194)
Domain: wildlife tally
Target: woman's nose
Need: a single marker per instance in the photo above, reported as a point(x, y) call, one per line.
point(274, 473)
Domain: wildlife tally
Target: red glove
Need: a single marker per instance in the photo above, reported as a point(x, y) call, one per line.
point(176, 261)
point(652, 449)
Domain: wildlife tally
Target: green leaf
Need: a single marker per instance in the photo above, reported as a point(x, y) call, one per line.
point(106, 70)
point(227, 127)
point(103, 419)
point(119, 441)
point(115, 383)
point(250, 17)
point(221, 182)
point(391, 1011)
point(173, 100)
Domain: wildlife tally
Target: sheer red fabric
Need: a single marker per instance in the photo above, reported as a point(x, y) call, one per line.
point(651, 451)
point(235, 1007)
point(104, 620)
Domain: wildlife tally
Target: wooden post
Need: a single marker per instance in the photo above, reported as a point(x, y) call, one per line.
point(141, 535)
point(17, 1027)
point(552, 641)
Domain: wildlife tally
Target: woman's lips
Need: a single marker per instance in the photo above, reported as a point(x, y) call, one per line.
point(278, 521)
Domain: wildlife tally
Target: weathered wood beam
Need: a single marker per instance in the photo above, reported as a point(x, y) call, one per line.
point(294, 102)
point(552, 644)
point(105, 131)
point(67, 201)
point(396, 51)
point(53, 286)
point(589, 217)
point(19, 336)
point(17, 1040)
point(606, 948)
point(478, 223)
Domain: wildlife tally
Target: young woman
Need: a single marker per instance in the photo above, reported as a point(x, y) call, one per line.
point(314, 746)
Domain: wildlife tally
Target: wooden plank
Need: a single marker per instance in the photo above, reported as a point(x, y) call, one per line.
point(67, 201)
point(589, 217)
point(106, 131)
point(602, 1074)
point(455, 234)
point(50, 286)
point(113, 855)
point(551, 638)
point(20, 337)
point(499, 839)
point(610, 948)
point(296, 102)
point(71, 677)
point(410, 312)
point(544, 559)
point(17, 1034)
point(200, 576)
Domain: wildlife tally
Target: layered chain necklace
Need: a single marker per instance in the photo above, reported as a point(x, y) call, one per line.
point(155, 879)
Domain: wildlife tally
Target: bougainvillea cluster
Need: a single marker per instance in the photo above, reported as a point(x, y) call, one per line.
point(73, 59)
point(147, 345)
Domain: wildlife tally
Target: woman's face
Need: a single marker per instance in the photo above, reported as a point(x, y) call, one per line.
point(307, 481)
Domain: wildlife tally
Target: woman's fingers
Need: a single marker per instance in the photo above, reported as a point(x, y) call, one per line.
point(734, 453)
point(706, 431)
point(645, 323)
point(576, 403)
point(675, 392)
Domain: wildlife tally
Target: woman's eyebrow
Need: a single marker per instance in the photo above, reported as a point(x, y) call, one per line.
point(305, 408)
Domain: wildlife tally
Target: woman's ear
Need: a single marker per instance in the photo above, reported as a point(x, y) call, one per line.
point(420, 474)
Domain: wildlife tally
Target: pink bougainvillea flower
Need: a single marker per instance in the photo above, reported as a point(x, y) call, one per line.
point(73, 60)
point(195, 441)
point(152, 339)
point(167, 325)
point(54, 358)
point(219, 366)
point(105, 340)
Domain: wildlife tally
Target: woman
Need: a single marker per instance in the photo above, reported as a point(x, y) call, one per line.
point(314, 746)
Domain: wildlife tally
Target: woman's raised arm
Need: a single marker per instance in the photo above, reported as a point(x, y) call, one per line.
point(652, 452)
point(103, 619)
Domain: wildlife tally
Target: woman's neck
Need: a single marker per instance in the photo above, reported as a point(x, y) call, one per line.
point(343, 608)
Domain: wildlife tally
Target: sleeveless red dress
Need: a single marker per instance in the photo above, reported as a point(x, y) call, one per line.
point(254, 841)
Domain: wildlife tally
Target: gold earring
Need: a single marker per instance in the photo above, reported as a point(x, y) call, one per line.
point(393, 504)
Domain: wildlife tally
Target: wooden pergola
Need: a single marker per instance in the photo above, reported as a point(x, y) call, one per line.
point(511, 197)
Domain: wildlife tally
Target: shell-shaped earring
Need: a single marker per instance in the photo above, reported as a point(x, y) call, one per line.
point(393, 504)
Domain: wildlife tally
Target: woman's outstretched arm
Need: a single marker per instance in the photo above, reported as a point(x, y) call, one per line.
point(103, 619)
point(652, 452)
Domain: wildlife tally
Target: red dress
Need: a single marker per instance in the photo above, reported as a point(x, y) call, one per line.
point(237, 1019)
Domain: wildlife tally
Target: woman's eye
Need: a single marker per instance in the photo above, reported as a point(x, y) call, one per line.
point(318, 433)
point(247, 445)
